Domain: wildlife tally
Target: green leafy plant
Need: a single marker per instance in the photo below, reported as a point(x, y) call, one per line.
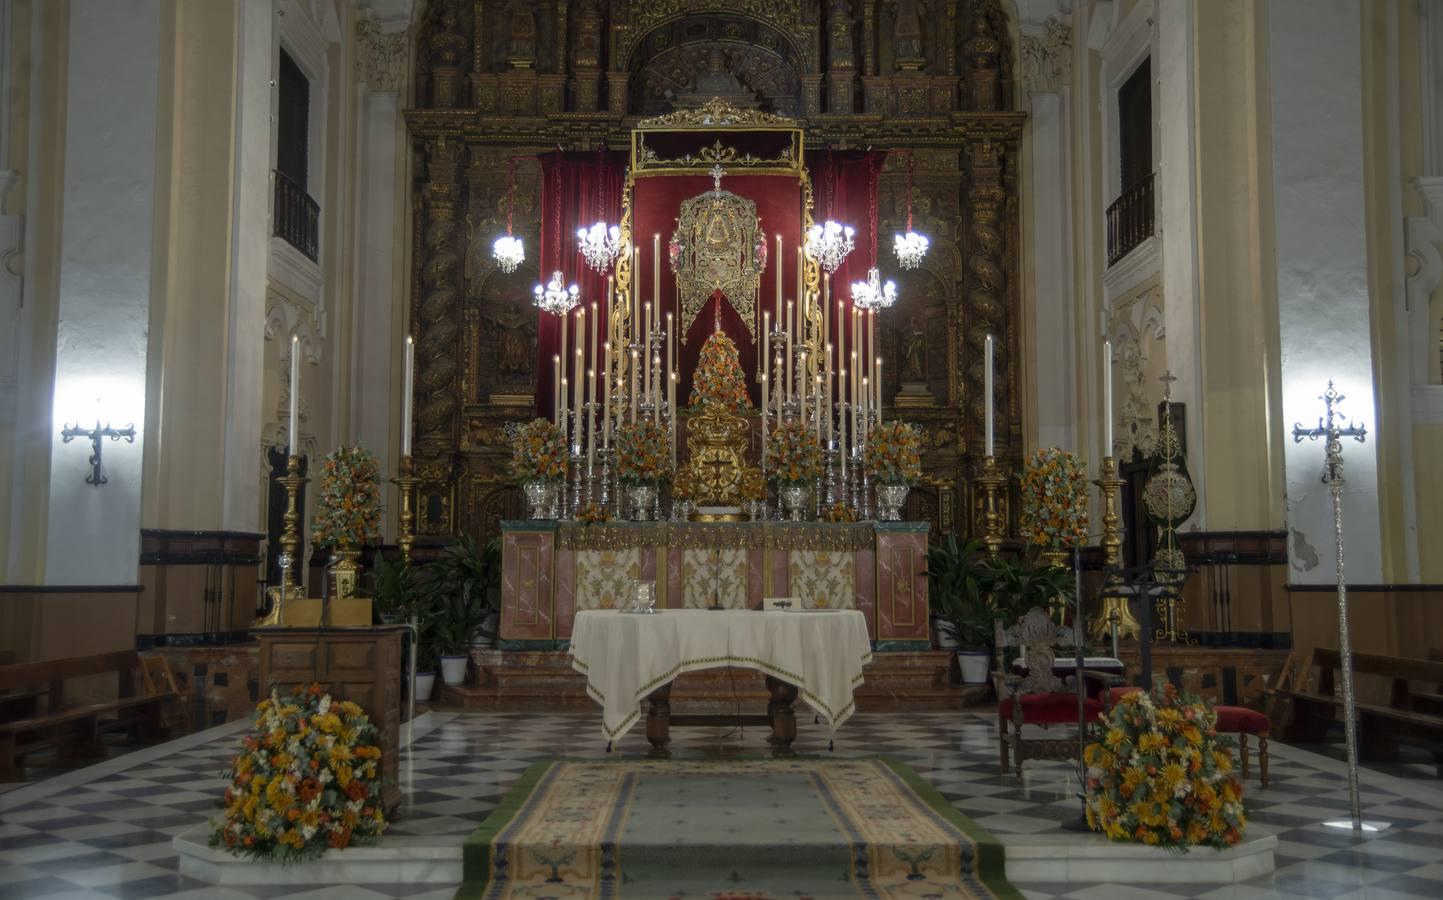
point(1018, 585)
point(393, 586)
point(956, 585)
point(463, 590)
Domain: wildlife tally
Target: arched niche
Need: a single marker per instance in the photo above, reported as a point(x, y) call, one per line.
point(763, 65)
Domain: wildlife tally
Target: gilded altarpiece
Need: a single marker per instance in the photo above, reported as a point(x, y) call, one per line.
point(497, 84)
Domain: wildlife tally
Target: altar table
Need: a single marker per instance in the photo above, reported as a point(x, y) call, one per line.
point(628, 657)
point(553, 571)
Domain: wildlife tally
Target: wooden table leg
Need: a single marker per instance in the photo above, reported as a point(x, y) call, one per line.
point(784, 717)
point(658, 720)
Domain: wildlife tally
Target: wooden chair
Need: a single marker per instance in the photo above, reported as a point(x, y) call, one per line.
point(1039, 697)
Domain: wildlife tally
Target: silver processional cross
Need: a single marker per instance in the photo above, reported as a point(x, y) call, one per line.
point(1332, 432)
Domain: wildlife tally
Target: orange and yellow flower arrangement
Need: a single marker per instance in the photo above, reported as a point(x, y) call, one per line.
point(718, 377)
point(348, 511)
point(894, 453)
point(538, 452)
point(643, 453)
point(1054, 500)
point(793, 456)
point(308, 779)
point(1162, 775)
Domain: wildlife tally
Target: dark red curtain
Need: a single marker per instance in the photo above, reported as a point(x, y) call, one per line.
point(844, 189)
point(577, 189)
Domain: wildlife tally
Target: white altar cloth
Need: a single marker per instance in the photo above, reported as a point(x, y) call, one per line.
point(626, 656)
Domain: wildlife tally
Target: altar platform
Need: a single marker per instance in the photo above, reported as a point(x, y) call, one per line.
point(553, 570)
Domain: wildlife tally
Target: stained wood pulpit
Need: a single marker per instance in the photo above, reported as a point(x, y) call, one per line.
point(362, 665)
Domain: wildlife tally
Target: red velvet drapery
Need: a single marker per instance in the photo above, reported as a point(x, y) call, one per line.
point(577, 189)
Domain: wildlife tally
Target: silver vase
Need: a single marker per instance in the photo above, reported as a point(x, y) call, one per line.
point(794, 500)
point(890, 498)
point(643, 498)
point(540, 498)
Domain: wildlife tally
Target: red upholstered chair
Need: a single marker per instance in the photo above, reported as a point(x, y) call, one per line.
point(1242, 721)
point(1039, 697)
point(1238, 720)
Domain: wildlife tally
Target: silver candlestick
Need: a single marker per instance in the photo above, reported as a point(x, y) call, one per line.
point(1329, 429)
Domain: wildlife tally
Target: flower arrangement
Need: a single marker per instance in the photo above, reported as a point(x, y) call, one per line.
point(538, 452)
point(592, 513)
point(753, 487)
point(1054, 500)
point(643, 453)
point(1163, 776)
point(894, 453)
point(348, 512)
point(793, 456)
point(838, 512)
point(309, 778)
point(718, 377)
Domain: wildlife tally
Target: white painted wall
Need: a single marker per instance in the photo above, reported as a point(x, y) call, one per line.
point(105, 283)
point(250, 250)
point(1315, 72)
point(1056, 319)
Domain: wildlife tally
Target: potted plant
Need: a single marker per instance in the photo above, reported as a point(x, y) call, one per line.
point(1017, 586)
point(538, 461)
point(956, 585)
point(643, 464)
point(401, 594)
point(795, 460)
point(894, 457)
point(465, 588)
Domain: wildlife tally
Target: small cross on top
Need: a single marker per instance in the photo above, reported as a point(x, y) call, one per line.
point(1329, 429)
point(717, 173)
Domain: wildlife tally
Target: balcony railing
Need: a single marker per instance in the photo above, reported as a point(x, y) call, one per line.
point(297, 217)
point(1130, 219)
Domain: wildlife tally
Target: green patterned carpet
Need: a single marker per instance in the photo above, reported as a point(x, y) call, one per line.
point(803, 827)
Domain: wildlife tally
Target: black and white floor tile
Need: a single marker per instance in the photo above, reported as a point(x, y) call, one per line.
point(105, 831)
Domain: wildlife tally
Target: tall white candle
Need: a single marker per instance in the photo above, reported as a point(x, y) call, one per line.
point(872, 354)
point(1107, 398)
point(766, 355)
point(671, 404)
point(764, 421)
point(646, 349)
point(293, 439)
point(987, 390)
point(656, 272)
point(802, 386)
point(817, 402)
point(635, 293)
point(670, 366)
point(877, 387)
point(578, 379)
point(590, 426)
point(853, 395)
point(801, 299)
point(827, 393)
point(791, 325)
point(656, 390)
point(826, 308)
point(556, 387)
point(407, 383)
point(780, 266)
point(606, 395)
point(565, 419)
point(591, 345)
point(635, 369)
point(866, 394)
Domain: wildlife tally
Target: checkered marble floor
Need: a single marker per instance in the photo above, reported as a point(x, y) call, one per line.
point(105, 831)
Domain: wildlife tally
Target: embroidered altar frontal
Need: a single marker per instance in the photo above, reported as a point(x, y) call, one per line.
point(552, 570)
point(773, 828)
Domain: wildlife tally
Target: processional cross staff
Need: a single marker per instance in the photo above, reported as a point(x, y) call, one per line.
point(95, 436)
point(1333, 434)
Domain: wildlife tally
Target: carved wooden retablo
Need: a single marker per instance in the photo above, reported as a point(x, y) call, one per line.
point(717, 442)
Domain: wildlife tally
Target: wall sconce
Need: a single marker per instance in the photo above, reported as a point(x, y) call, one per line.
point(71, 432)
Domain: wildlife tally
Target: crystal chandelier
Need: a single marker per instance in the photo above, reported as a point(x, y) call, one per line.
point(872, 293)
point(599, 244)
point(829, 244)
point(507, 250)
point(910, 247)
point(555, 297)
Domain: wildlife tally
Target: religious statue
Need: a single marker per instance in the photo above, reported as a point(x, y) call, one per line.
point(717, 246)
point(982, 51)
point(514, 340)
point(521, 43)
point(914, 357)
point(447, 48)
point(907, 36)
point(717, 81)
point(840, 29)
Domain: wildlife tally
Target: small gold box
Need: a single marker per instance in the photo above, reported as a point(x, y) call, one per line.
point(306, 612)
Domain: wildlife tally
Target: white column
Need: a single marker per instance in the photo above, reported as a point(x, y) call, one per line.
point(1053, 306)
point(1315, 75)
point(107, 241)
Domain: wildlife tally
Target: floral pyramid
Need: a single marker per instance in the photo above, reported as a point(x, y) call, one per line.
point(718, 377)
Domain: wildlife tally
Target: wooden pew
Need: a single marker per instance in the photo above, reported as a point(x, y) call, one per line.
point(76, 727)
point(1413, 714)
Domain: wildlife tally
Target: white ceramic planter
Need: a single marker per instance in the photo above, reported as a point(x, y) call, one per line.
point(424, 684)
point(453, 669)
point(974, 666)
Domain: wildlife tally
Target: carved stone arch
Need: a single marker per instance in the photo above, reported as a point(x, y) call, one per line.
point(667, 61)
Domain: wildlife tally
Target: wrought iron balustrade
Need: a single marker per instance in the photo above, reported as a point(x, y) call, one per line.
point(297, 217)
point(1131, 219)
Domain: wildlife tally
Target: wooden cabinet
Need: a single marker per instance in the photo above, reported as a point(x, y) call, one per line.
point(358, 664)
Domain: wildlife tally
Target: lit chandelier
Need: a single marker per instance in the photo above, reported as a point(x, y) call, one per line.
point(872, 293)
point(508, 250)
point(829, 244)
point(555, 297)
point(599, 244)
point(910, 247)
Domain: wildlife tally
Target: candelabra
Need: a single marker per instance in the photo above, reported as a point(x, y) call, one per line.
point(406, 481)
point(292, 481)
point(990, 480)
point(1113, 614)
point(836, 492)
